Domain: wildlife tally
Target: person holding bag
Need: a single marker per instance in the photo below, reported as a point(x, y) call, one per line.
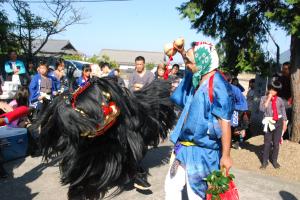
point(202, 136)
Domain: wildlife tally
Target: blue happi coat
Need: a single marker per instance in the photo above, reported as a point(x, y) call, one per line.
point(199, 125)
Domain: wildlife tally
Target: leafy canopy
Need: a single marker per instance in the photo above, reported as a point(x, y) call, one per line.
point(240, 26)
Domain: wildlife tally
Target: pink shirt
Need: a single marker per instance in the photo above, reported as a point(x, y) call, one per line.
point(14, 105)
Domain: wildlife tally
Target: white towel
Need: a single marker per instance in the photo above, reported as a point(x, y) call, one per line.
point(268, 122)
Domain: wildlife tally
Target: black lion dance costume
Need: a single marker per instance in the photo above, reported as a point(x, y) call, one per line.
point(100, 132)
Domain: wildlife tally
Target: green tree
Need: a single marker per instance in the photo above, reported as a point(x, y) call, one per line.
point(7, 38)
point(286, 14)
point(241, 27)
point(150, 66)
point(73, 57)
point(93, 59)
point(106, 59)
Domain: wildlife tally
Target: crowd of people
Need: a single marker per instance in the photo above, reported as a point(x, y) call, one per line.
point(217, 96)
point(37, 86)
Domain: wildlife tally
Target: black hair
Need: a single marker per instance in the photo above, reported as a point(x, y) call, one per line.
point(91, 166)
point(275, 85)
point(193, 44)
point(59, 62)
point(234, 79)
point(287, 64)
point(252, 80)
point(85, 67)
point(104, 64)
point(175, 65)
point(228, 76)
point(12, 51)
point(22, 96)
point(140, 58)
point(44, 63)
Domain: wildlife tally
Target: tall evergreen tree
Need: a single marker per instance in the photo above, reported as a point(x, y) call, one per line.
point(7, 38)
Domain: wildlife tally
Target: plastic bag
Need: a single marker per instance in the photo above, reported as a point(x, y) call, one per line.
point(231, 194)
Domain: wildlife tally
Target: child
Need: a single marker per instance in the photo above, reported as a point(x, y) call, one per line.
point(160, 71)
point(31, 69)
point(86, 73)
point(20, 99)
point(118, 78)
point(235, 81)
point(41, 88)
point(239, 120)
point(58, 76)
point(105, 70)
point(274, 123)
point(173, 77)
point(250, 95)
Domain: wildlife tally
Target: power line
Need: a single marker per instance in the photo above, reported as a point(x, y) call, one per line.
point(74, 1)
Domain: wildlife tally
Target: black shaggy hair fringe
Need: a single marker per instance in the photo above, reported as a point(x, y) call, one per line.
point(92, 166)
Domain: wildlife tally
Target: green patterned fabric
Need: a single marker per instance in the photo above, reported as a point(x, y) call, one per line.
point(206, 60)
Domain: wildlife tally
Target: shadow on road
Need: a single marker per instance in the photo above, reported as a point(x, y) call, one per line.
point(15, 188)
point(287, 196)
point(157, 157)
point(258, 150)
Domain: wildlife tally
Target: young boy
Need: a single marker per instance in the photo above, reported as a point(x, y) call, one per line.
point(274, 123)
point(41, 88)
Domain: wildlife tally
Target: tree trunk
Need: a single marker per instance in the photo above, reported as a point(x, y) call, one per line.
point(295, 83)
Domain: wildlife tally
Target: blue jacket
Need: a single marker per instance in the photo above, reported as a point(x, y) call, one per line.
point(240, 102)
point(8, 67)
point(199, 124)
point(79, 82)
point(200, 115)
point(35, 87)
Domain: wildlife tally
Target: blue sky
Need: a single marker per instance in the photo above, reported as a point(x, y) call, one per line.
point(137, 25)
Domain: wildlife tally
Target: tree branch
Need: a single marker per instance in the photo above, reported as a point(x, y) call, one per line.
point(31, 26)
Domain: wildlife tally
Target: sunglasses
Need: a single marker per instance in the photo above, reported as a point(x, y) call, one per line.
point(87, 70)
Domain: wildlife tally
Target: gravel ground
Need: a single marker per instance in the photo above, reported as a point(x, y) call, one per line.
point(248, 158)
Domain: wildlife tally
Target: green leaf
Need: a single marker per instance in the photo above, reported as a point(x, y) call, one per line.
point(231, 176)
point(224, 180)
point(218, 173)
point(209, 191)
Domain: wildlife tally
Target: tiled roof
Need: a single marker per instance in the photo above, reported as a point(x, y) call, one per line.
point(127, 57)
point(55, 47)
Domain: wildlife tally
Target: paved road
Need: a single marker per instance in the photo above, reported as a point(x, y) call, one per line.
point(33, 180)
